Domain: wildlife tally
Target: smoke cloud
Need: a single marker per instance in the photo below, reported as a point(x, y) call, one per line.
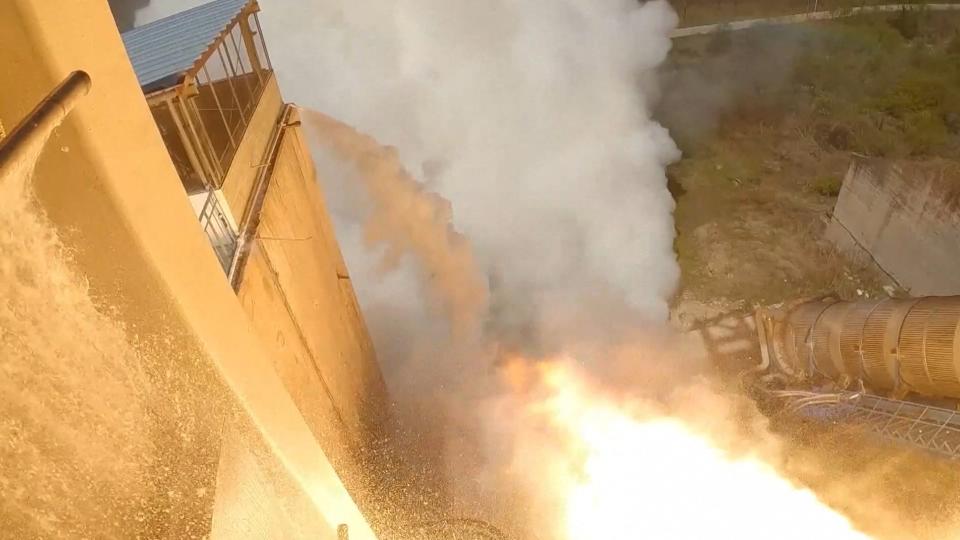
point(525, 208)
point(708, 76)
point(532, 120)
point(402, 218)
point(526, 167)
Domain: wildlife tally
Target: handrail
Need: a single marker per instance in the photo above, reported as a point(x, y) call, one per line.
point(251, 213)
point(26, 140)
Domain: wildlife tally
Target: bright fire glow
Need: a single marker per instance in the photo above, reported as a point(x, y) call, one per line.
point(628, 475)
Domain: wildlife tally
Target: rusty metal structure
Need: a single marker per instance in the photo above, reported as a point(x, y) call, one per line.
point(891, 365)
point(890, 346)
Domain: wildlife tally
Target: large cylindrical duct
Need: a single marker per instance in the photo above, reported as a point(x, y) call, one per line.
point(893, 344)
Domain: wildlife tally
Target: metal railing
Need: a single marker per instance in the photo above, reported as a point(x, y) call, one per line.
point(930, 428)
point(220, 232)
point(204, 120)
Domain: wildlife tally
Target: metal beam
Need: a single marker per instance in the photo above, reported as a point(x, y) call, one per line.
point(188, 144)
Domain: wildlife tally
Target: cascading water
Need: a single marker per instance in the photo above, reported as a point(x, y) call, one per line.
point(73, 419)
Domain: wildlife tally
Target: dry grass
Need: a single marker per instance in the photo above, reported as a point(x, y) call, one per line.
point(758, 189)
point(697, 12)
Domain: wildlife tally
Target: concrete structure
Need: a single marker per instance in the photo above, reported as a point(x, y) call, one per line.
point(906, 217)
point(253, 410)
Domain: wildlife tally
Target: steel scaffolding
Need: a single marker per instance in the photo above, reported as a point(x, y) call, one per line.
point(927, 427)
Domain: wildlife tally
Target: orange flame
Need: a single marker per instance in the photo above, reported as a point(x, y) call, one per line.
point(620, 472)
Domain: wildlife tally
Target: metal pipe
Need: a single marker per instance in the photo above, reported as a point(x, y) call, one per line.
point(188, 145)
point(246, 34)
point(216, 99)
point(891, 345)
point(26, 140)
point(204, 146)
point(230, 76)
point(236, 49)
point(263, 42)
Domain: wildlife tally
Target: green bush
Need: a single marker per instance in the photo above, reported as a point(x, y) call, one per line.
point(916, 91)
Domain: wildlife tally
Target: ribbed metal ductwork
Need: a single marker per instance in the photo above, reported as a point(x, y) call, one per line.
point(852, 337)
point(798, 339)
point(891, 344)
point(826, 341)
point(929, 346)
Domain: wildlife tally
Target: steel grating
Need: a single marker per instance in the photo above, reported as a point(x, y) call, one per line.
point(930, 428)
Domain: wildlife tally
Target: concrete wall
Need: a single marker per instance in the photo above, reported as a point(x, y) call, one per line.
point(240, 177)
point(906, 216)
point(109, 188)
point(297, 292)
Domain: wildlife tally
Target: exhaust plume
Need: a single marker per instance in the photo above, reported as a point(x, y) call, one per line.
point(403, 218)
point(531, 120)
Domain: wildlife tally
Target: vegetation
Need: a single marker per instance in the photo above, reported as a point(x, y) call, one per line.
point(763, 163)
point(696, 12)
point(878, 91)
point(828, 186)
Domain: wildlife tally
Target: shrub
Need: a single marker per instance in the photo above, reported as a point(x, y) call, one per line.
point(915, 91)
point(828, 186)
point(925, 133)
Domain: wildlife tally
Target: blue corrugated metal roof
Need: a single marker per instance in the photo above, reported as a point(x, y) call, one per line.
point(163, 50)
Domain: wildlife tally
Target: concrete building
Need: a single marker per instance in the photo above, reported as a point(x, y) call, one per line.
point(184, 192)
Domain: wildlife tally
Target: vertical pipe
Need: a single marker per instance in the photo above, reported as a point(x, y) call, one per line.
point(240, 62)
point(230, 75)
point(213, 90)
point(237, 74)
point(204, 142)
point(187, 144)
point(263, 43)
point(247, 36)
point(203, 149)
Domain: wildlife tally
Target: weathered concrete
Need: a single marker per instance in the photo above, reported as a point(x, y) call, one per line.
point(298, 295)
point(238, 182)
point(906, 217)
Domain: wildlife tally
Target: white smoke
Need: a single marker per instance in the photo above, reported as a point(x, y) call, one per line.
point(531, 118)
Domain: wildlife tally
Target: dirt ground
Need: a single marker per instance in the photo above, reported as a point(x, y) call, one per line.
point(750, 227)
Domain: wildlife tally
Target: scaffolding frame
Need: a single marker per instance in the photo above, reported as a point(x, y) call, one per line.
point(927, 427)
point(222, 62)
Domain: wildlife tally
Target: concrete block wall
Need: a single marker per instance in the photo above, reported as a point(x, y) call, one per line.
point(906, 217)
